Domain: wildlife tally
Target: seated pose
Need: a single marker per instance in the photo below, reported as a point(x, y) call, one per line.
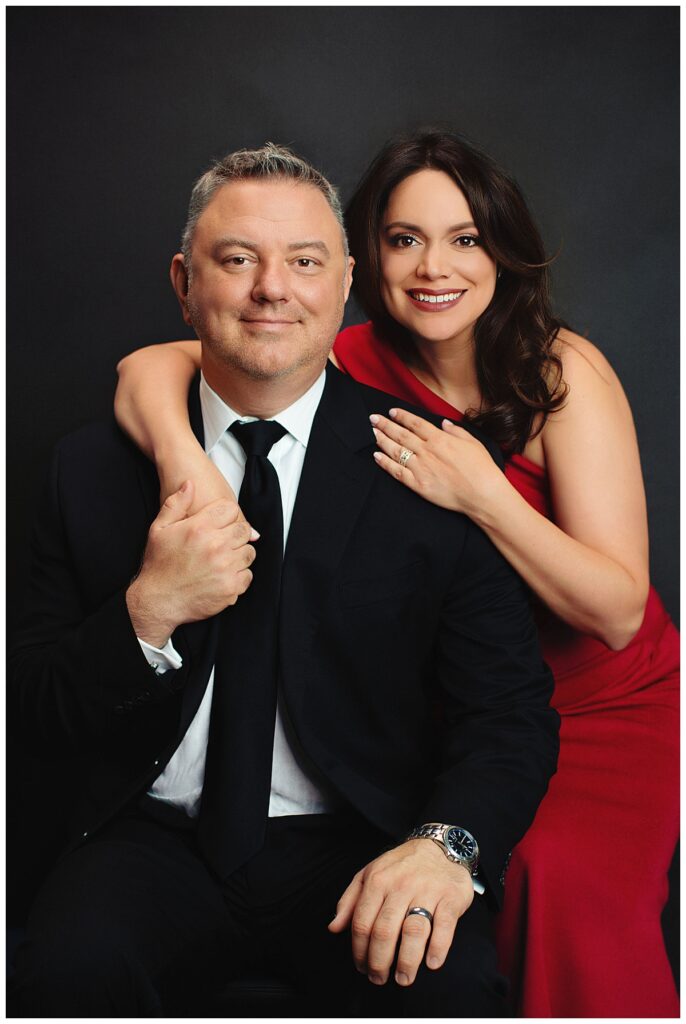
point(310, 738)
point(452, 272)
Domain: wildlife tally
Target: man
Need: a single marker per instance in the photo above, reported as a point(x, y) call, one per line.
point(269, 709)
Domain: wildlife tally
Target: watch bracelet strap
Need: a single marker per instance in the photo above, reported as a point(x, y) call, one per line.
point(419, 833)
point(435, 831)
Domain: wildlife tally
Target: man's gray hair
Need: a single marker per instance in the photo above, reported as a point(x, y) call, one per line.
point(271, 161)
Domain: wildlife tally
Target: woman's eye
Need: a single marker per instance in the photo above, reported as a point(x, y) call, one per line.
point(467, 241)
point(403, 241)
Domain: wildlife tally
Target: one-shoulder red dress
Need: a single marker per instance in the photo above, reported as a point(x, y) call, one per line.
point(579, 934)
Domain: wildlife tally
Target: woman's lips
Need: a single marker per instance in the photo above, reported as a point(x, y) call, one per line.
point(434, 302)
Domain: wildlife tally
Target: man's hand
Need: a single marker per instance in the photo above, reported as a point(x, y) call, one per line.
point(194, 566)
point(375, 904)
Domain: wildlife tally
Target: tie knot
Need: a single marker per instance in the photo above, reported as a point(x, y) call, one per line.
point(258, 437)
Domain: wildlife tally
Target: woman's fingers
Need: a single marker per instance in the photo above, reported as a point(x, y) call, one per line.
point(416, 424)
point(394, 469)
point(393, 449)
point(403, 436)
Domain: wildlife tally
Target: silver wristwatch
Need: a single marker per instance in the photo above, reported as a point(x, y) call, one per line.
point(457, 844)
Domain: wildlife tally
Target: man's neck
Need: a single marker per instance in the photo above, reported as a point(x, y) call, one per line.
point(261, 398)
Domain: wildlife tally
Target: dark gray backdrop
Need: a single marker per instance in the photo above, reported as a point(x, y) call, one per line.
point(113, 112)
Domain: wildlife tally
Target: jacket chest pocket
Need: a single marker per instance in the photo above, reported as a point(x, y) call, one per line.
point(392, 586)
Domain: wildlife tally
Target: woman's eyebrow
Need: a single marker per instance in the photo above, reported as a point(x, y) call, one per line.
point(415, 227)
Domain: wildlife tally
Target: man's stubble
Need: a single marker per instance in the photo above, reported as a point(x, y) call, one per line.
point(245, 352)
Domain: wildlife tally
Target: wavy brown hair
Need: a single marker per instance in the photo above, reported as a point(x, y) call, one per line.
point(519, 374)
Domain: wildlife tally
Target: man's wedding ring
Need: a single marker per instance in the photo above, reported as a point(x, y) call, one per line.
point(405, 457)
point(421, 911)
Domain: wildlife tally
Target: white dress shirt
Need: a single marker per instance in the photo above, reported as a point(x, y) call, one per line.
point(292, 791)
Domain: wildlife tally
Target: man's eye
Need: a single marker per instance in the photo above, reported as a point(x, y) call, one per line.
point(236, 261)
point(403, 241)
point(467, 241)
point(305, 261)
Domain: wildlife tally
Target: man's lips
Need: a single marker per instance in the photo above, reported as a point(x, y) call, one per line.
point(267, 322)
point(434, 302)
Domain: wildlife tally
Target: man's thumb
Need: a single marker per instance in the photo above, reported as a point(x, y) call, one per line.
point(176, 506)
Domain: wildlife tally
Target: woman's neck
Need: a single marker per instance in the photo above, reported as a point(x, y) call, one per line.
point(449, 370)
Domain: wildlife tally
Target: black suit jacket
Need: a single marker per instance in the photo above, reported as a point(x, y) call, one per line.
point(409, 660)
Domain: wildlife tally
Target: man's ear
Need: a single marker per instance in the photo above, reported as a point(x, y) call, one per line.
point(348, 279)
point(179, 280)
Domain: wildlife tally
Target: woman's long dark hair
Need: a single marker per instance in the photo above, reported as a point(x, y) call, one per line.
point(519, 374)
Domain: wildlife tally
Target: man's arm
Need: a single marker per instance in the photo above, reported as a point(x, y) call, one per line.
point(499, 749)
point(76, 670)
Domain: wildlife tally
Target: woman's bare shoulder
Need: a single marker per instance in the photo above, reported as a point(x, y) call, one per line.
point(582, 361)
point(594, 390)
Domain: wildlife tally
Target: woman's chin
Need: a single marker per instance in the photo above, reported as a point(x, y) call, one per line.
point(437, 333)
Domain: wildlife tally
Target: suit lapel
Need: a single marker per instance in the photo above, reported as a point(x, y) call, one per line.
point(337, 476)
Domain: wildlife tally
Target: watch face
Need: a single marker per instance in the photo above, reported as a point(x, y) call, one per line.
point(461, 843)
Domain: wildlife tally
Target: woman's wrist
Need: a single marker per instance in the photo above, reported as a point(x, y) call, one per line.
point(490, 504)
point(176, 453)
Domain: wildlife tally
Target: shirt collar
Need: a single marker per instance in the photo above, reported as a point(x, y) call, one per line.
point(217, 416)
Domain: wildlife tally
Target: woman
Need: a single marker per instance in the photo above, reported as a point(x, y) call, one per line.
point(452, 272)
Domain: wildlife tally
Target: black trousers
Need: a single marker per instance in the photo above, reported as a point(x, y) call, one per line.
point(133, 923)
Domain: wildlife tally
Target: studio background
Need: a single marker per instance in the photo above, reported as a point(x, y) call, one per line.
point(112, 113)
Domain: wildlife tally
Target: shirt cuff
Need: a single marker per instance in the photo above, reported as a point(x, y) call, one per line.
point(161, 659)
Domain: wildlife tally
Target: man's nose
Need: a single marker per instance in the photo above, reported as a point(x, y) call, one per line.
point(271, 283)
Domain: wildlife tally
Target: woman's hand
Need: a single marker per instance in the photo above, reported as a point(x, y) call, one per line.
point(448, 467)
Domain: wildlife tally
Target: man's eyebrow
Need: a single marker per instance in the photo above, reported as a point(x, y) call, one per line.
point(231, 242)
point(310, 244)
point(415, 227)
point(240, 243)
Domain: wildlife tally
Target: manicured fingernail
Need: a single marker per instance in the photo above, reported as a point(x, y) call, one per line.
point(374, 418)
point(376, 979)
point(433, 962)
point(393, 413)
point(377, 456)
point(402, 979)
point(254, 535)
point(375, 432)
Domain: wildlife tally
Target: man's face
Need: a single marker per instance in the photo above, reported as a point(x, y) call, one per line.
point(269, 281)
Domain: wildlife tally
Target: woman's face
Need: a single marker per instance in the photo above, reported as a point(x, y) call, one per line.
point(436, 279)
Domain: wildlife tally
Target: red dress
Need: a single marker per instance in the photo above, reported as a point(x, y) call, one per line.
point(580, 934)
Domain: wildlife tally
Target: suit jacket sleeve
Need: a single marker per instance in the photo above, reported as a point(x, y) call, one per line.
point(500, 743)
point(63, 692)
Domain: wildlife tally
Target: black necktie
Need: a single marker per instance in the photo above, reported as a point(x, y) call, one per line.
point(235, 798)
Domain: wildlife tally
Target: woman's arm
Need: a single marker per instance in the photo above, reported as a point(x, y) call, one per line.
point(590, 565)
point(151, 405)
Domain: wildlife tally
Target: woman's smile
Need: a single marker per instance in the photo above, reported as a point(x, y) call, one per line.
point(434, 302)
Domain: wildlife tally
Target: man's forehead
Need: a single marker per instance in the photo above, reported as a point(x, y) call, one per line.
point(276, 205)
